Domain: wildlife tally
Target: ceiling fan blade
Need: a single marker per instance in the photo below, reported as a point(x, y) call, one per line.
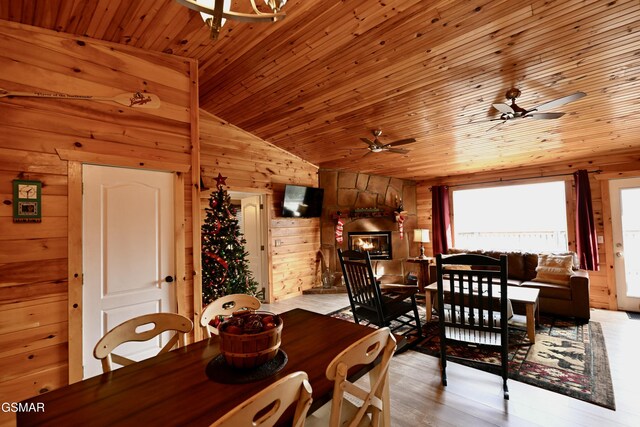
point(544, 116)
point(559, 102)
point(401, 142)
point(396, 150)
point(496, 125)
point(368, 142)
point(503, 108)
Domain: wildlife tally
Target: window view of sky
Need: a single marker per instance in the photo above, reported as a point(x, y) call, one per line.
point(528, 217)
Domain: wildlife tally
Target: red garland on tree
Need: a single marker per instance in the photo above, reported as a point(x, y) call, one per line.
point(225, 268)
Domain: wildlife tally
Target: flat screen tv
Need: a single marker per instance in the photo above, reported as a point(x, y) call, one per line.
point(302, 202)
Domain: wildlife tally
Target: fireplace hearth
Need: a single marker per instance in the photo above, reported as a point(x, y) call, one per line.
point(377, 243)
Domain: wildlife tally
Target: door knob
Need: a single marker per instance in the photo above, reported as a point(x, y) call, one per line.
point(619, 254)
point(168, 279)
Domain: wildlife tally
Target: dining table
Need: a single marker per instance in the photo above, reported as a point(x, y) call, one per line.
point(176, 388)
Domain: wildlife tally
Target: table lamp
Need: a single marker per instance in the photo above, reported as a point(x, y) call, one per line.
point(421, 235)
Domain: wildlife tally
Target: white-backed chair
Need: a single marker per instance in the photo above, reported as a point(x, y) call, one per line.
point(266, 407)
point(353, 405)
point(128, 331)
point(225, 306)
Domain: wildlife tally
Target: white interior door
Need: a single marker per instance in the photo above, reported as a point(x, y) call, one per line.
point(625, 221)
point(128, 254)
point(254, 229)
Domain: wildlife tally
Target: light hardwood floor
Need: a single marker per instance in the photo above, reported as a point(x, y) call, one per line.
point(474, 398)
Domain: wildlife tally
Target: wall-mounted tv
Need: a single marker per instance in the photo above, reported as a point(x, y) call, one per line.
point(302, 202)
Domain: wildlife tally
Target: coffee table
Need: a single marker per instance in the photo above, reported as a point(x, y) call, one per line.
point(517, 294)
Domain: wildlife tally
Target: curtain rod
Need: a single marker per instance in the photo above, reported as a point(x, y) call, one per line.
point(520, 179)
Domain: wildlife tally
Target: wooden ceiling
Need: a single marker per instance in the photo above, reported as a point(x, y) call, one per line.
point(334, 70)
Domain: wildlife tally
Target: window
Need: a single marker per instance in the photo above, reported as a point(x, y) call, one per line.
point(528, 217)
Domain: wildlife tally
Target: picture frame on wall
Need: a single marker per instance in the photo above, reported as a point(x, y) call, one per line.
point(27, 201)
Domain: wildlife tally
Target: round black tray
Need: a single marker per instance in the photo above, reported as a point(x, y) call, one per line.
point(218, 370)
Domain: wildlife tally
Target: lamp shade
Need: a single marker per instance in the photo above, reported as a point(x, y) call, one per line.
point(421, 235)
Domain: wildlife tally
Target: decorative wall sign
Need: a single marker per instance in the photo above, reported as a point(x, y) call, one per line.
point(27, 201)
point(134, 100)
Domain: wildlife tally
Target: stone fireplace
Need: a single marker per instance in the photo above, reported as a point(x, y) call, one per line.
point(365, 204)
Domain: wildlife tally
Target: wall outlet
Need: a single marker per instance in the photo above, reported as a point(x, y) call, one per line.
point(600, 240)
point(278, 242)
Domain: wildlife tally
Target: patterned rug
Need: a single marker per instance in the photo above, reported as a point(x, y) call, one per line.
point(567, 357)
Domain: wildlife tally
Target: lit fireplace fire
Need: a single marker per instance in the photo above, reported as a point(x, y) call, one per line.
point(377, 243)
point(367, 246)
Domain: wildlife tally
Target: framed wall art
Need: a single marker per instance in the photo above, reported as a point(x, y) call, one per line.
point(27, 201)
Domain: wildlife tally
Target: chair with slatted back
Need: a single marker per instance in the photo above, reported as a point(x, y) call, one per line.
point(129, 331)
point(370, 303)
point(225, 306)
point(473, 306)
point(353, 404)
point(266, 407)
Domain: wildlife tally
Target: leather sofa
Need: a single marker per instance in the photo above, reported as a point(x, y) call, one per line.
point(570, 300)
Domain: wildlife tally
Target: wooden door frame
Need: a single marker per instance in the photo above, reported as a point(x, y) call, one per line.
point(75, 161)
point(265, 258)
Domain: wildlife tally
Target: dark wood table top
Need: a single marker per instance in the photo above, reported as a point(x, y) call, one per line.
point(173, 388)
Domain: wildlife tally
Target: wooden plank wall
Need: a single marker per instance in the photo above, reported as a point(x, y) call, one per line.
point(603, 289)
point(34, 256)
point(253, 165)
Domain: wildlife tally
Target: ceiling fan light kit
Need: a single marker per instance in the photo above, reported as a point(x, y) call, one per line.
point(216, 12)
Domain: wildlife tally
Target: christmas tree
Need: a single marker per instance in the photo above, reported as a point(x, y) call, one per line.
point(225, 269)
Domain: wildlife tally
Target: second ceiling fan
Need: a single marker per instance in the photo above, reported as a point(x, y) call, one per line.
point(513, 111)
point(376, 146)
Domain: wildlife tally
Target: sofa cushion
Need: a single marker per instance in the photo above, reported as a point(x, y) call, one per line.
point(554, 269)
point(550, 290)
point(515, 261)
point(530, 264)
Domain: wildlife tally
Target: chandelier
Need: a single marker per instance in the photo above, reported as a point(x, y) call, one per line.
point(216, 12)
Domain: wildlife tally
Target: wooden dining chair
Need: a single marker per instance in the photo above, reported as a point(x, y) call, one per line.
point(374, 305)
point(129, 331)
point(225, 306)
point(473, 306)
point(265, 408)
point(352, 404)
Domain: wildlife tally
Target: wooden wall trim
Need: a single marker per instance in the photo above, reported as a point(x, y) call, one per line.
point(179, 243)
point(616, 175)
point(268, 201)
point(74, 239)
point(570, 203)
point(123, 161)
point(608, 241)
point(195, 203)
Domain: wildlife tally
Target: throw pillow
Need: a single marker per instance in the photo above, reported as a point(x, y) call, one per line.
point(555, 269)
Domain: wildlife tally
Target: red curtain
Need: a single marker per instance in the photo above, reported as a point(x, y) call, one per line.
point(441, 223)
point(586, 238)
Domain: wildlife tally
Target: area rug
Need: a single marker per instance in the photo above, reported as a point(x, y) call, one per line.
point(567, 357)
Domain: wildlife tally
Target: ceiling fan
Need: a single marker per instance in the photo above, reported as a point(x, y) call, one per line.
point(376, 146)
point(513, 111)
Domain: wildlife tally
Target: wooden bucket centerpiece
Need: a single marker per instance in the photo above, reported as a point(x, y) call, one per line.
point(249, 339)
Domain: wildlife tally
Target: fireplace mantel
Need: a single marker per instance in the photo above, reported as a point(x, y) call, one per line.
point(365, 213)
